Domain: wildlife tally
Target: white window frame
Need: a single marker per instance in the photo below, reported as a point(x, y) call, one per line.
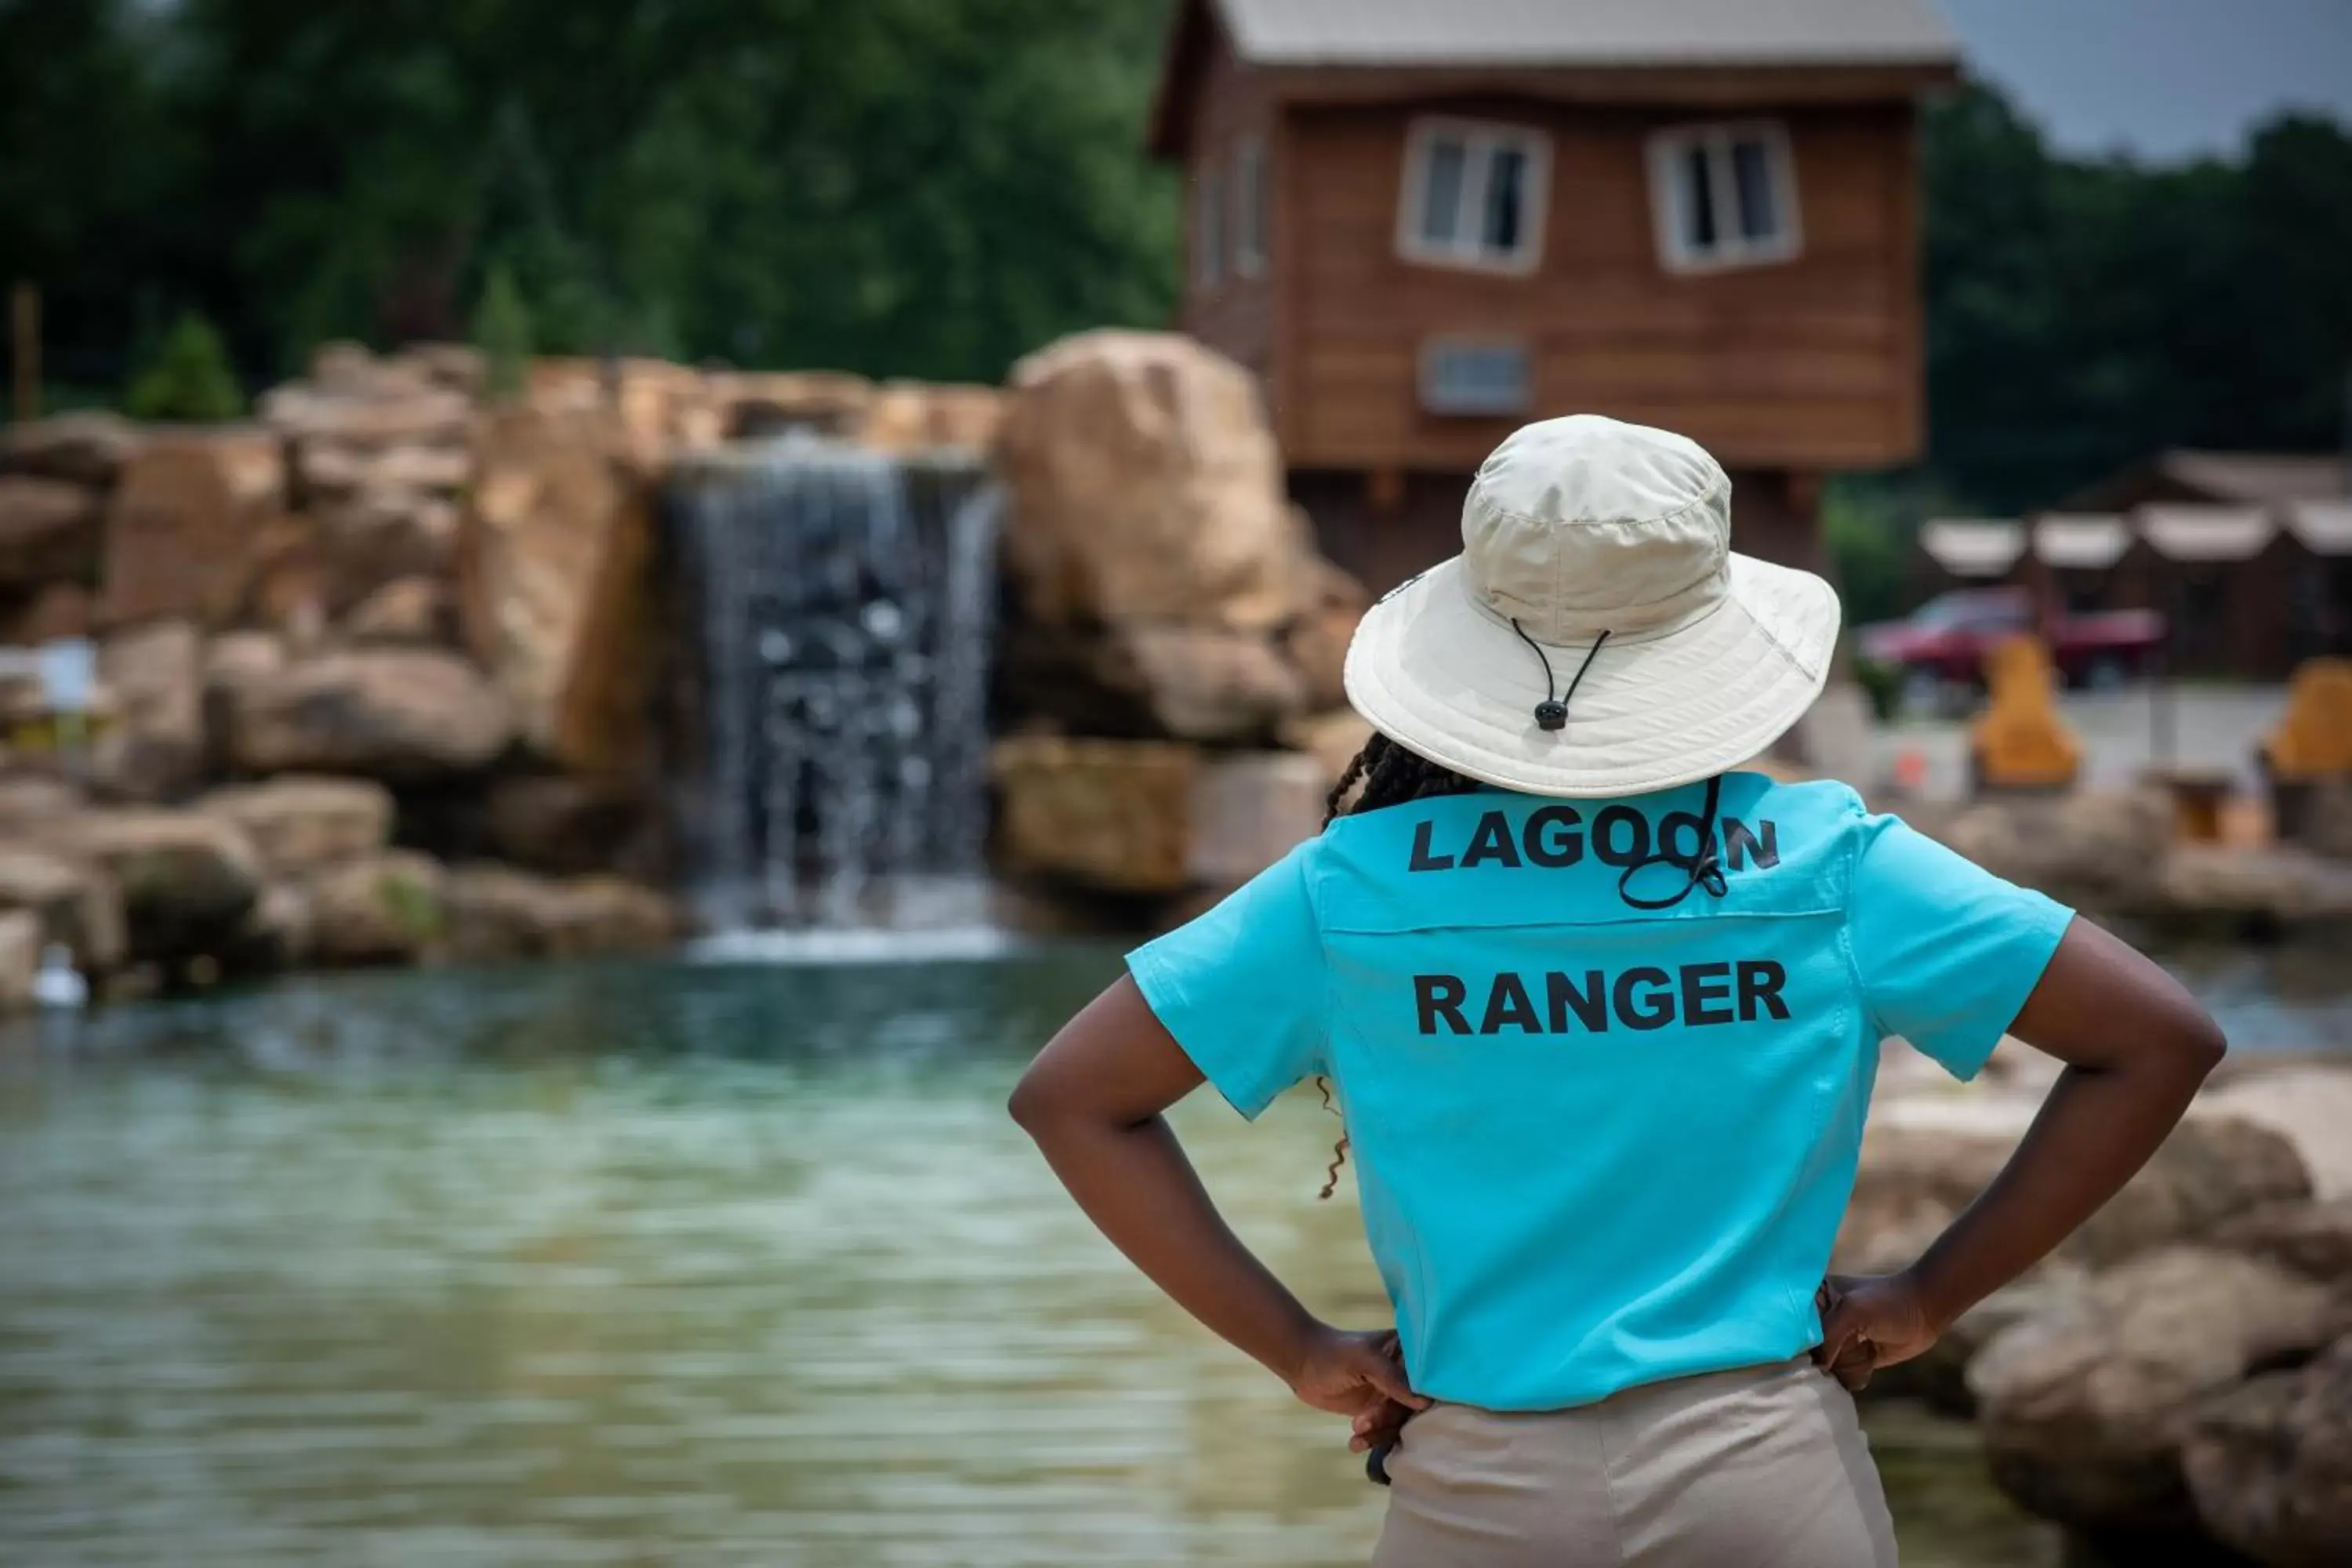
point(1248, 220)
point(1669, 147)
point(1480, 138)
point(1208, 228)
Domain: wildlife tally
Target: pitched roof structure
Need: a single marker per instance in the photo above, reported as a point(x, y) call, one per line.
point(1534, 33)
point(1973, 546)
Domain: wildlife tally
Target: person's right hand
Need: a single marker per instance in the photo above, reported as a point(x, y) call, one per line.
point(1871, 1321)
point(1354, 1374)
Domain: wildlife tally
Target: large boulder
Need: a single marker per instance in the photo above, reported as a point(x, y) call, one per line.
point(2224, 892)
point(1107, 816)
point(301, 823)
point(365, 540)
point(1206, 683)
point(1247, 809)
point(396, 714)
point(2082, 1408)
point(74, 900)
point(2270, 1465)
point(188, 879)
point(1146, 486)
point(50, 532)
point(555, 544)
point(387, 907)
point(1315, 642)
point(80, 448)
point(2312, 1239)
point(2106, 848)
point(59, 611)
point(154, 748)
point(2209, 1170)
point(180, 528)
point(32, 807)
point(909, 417)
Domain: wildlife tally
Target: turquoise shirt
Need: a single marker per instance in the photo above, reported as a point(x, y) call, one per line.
point(1599, 1145)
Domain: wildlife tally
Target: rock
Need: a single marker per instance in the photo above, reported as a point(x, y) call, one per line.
point(2310, 1239)
point(375, 536)
point(459, 367)
point(412, 610)
point(1247, 810)
point(232, 662)
point(59, 612)
point(400, 411)
point(562, 825)
point(2270, 1465)
point(74, 901)
point(50, 532)
point(299, 823)
point(611, 914)
point(1939, 1378)
point(498, 914)
point(396, 714)
point(180, 528)
point(909, 416)
point(387, 907)
point(154, 749)
point(80, 448)
point(556, 546)
point(770, 403)
point(2209, 1169)
point(2223, 890)
point(32, 807)
point(1204, 683)
point(1908, 1185)
point(2106, 849)
point(1109, 816)
point(1914, 1179)
point(1315, 643)
point(2310, 1107)
point(1331, 738)
point(20, 959)
point(2081, 1408)
point(188, 879)
point(1146, 486)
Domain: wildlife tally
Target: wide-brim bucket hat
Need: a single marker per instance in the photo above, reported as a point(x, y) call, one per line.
point(1597, 635)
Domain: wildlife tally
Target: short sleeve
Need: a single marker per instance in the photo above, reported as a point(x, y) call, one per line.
point(1945, 951)
point(1242, 987)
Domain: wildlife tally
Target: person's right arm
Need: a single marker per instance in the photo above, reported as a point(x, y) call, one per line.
point(2136, 1047)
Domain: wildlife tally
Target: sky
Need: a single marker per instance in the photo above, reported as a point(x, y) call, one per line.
point(2162, 80)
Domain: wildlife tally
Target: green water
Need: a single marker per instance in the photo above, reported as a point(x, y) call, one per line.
point(656, 1265)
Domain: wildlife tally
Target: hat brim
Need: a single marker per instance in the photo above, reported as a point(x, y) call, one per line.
point(1441, 676)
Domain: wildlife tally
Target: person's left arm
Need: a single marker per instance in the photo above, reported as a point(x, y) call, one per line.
point(1093, 1100)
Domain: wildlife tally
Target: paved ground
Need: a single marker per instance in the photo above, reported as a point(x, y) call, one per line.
point(2212, 727)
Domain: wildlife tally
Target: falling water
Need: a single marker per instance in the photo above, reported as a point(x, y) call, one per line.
point(845, 602)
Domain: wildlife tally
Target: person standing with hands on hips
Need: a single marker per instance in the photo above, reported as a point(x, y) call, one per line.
point(1603, 1016)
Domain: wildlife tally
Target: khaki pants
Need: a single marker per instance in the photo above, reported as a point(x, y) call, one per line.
point(1762, 1468)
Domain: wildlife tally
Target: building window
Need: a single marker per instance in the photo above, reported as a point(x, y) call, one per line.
point(1249, 208)
point(1475, 378)
point(1723, 195)
point(1474, 195)
point(1208, 229)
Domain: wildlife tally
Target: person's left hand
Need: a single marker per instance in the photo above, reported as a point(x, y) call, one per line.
point(1378, 1428)
point(1870, 1321)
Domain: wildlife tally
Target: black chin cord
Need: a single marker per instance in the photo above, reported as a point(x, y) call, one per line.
point(1552, 714)
point(1704, 867)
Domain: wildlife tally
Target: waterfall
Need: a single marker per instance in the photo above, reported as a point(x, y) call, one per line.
point(847, 604)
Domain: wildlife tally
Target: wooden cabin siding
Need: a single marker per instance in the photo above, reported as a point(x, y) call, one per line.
point(1811, 363)
point(1235, 315)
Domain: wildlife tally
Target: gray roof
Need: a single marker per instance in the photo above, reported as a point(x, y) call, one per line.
point(1538, 33)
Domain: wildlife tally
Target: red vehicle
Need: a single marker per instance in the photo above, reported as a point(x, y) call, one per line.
point(1944, 641)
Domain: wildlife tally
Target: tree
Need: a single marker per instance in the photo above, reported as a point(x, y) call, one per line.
point(502, 331)
point(190, 378)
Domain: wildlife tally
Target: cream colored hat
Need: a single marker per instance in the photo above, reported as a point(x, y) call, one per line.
point(1596, 576)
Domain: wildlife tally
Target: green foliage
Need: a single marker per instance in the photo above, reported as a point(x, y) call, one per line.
point(502, 330)
point(190, 378)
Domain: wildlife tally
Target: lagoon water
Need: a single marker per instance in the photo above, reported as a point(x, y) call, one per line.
point(657, 1264)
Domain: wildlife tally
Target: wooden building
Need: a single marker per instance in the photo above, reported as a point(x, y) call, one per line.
point(1425, 222)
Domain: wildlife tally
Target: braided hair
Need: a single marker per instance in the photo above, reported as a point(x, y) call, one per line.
point(1390, 775)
